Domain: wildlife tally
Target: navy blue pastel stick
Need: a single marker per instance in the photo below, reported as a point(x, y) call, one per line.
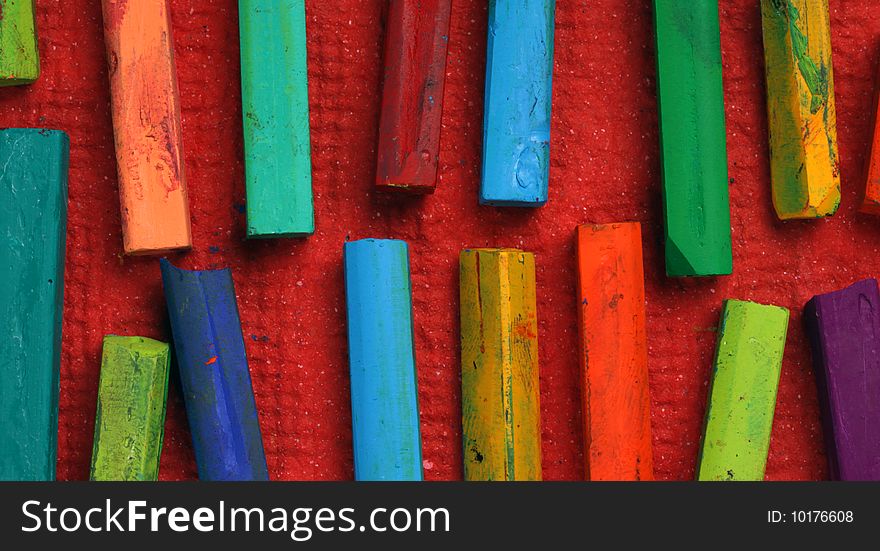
point(384, 401)
point(214, 374)
point(516, 118)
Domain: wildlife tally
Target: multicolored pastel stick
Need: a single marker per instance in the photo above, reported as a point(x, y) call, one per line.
point(804, 165)
point(742, 395)
point(19, 54)
point(33, 223)
point(130, 420)
point(844, 331)
point(500, 398)
point(693, 142)
point(412, 94)
point(146, 126)
point(871, 200)
point(516, 119)
point(214, 374)
point(384, 394)
point(614, 353)
point(275, 105)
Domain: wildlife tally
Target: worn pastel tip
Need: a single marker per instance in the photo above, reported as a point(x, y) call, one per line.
point(812, 204)
point(698, 261)
point(372, 242)
point(170, 270)
point(139, 345)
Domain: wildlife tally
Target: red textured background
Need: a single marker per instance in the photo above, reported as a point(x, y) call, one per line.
point(605, 167)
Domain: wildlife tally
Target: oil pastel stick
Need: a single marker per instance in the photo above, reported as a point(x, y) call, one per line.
point(614, 353)
point(742, 394)
point(214, 374)
point(516, 118)
point(804, 164)
point(412, 94)
point(384, 394)
point(146, 126)
point(33, 223)
point(130, 417)
point(693, 144)
point(500, 398)
point(275, 106)
point(844, 331)
point(19, 55)
point(871, 199)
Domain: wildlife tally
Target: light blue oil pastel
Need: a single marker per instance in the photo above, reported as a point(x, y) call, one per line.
point(384, 401)
point(516, 119)
point(33, 226)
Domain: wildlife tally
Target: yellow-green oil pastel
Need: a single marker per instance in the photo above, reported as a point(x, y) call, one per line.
point(499, 365)
point(804, 165)
point(742, 395)
point(130, 419)
point(19, 53)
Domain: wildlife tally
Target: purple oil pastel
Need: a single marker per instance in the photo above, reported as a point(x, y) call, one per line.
point(844, 331)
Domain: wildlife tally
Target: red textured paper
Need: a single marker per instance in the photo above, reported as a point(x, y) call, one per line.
point(605, 168)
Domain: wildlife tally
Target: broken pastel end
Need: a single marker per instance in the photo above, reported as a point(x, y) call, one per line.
point(700, 260)
point(18, 80)
point(19, 51)
point(871, 199)
point(133, 247)
point(414, 186)
point(870, 206)
point(820, 206)
point(512, 201)
point(292, 230)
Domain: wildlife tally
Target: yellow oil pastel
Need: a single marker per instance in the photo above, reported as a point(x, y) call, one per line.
point(499, 365)
point(804, 164)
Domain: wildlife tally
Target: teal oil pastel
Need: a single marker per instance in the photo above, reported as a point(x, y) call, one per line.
point(33, 223)
point(275, 109)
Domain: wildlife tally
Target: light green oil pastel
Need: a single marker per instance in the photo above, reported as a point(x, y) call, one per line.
point(742, 395)
point(19, 55)
point(130, 419)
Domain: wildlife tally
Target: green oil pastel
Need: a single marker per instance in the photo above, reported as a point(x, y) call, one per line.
point(742, 395)
point(693, 140)
point(275, 105)
point(19, 55)
point(130, 417)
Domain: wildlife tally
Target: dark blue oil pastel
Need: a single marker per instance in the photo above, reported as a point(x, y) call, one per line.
point(214, 374)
